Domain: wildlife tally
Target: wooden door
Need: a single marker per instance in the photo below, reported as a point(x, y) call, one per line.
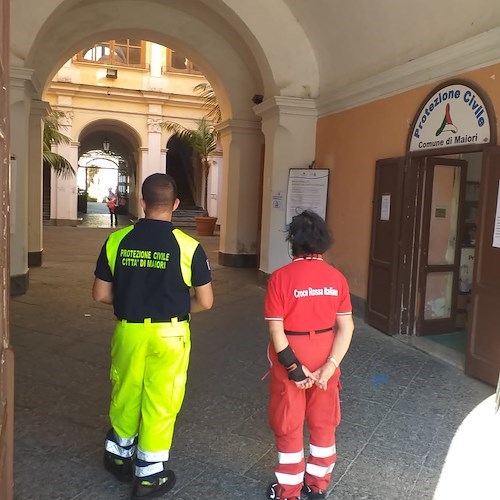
point(382, 310)
point(6, 354)
point(442, 204)
point(482, 358)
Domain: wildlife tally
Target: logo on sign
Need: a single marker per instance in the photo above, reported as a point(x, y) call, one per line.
point(447, 125)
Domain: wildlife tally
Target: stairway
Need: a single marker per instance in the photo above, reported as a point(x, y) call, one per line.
point(183, 218)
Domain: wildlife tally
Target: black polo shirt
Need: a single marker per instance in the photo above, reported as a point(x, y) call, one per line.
point(147, 279)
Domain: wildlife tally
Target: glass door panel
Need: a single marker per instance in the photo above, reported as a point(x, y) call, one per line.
point(438, 295)
point(443, 192)
point(444, 215)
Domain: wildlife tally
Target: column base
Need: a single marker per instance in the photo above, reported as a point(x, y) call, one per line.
point(35, 259)
point(64, 222)
point(19, 284)
point(263, 278)
point(238, 260)
point(358, 306)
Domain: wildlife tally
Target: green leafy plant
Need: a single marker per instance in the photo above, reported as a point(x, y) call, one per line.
point(210, 103)
point(52, 135)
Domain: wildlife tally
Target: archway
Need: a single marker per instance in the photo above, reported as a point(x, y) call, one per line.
point(118, 144)
point(180, 166)
point(243, 64)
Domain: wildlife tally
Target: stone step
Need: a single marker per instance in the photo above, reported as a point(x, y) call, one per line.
point(184, 217)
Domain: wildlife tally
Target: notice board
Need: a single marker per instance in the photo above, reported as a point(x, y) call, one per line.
point(307, 190)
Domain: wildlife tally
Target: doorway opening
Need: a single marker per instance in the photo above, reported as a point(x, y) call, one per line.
point(449, 211)
point(423, 250)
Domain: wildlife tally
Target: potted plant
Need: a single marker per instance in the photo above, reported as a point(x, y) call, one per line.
point(203, 141)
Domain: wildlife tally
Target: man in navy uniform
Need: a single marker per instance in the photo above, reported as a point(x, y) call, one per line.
point(146, 271)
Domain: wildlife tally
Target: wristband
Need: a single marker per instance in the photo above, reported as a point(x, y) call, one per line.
point(292, 365)
point(334, 361)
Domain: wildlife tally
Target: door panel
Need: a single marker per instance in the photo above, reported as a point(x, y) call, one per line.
point(6, 354)
point(382, 312)
point(444, 191)
point(482, 359)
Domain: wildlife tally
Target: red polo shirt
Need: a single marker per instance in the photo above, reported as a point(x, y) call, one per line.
point(307, 295)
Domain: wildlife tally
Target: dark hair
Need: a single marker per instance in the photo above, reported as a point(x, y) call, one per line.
point(159, 190)
point(309, 234)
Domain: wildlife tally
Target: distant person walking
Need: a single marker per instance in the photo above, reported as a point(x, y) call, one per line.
point(305, 300)
point(112, 204)
point(146, 271)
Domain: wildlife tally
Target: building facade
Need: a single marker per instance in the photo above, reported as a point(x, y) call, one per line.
point(116, 95)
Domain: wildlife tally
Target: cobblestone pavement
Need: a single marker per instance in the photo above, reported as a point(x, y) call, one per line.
point(401, 407)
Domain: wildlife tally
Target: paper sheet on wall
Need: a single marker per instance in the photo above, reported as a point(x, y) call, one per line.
point(307, 190)
point(385, 207)
point(496, 229)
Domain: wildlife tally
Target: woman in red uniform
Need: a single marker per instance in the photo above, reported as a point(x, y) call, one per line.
point(305, 300)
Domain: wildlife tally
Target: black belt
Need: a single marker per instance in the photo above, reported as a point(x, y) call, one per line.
point(289, 332)
point(155, 320)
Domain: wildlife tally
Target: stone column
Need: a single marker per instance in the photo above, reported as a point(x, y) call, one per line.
point(239, 205)
point(155, 157)
point(64, 189)
point(215, 186)
point(21, 89)
point(289, 126)
point(163, 160)
point(39, 110)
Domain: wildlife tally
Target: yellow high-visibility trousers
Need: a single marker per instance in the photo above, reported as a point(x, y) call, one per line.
point(149, 363)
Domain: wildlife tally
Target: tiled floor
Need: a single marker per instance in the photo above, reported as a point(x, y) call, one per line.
point(401, 407)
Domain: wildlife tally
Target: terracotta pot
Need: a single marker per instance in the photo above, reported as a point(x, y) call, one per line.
point(205, 226)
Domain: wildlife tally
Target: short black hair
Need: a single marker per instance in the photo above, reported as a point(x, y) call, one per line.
point(159, 190)
point(309, 234)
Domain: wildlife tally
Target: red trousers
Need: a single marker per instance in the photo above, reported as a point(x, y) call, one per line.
point(289, 409)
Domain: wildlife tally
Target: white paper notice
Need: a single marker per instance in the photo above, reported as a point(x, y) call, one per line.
point(385, 207)
point(496, 229)
point(307, 190)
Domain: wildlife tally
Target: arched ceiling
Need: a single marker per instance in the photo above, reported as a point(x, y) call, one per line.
point(292, 48)
point(211, 34)
point(359, 39)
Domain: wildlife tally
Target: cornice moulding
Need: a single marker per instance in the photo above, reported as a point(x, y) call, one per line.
point(479, 51)
point(125, 95)
point(286, 105)
point(239, 125)
point(19, 76)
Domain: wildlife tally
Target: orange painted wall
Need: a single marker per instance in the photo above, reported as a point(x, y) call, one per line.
point(349, 143)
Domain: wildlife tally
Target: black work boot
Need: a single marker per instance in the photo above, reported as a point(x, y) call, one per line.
point(155, 487)
point(120, 467)
point(311, 495)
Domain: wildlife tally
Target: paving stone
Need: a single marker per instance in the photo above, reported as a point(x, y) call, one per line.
point(379, 475)
point(426, 484)
point(362, 412)
point(412, 434)
point(375, 386)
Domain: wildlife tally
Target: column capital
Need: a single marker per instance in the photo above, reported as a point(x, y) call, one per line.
point(40, 108)
point(280, 105)
point(154, 125)
point(239, 126)
point(66, 120)
point(24, 78)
